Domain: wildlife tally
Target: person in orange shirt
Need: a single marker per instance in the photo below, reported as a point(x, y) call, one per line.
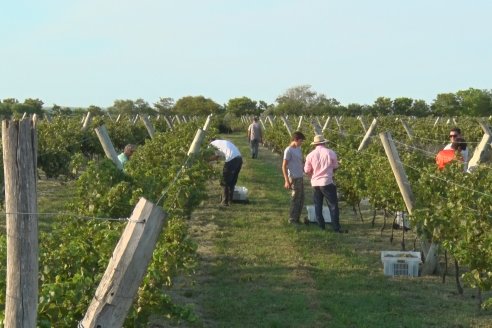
point(446, 156)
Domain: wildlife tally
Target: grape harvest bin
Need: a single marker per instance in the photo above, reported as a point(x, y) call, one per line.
point(400, 263)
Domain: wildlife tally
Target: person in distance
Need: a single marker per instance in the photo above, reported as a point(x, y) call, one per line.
point(455, 152)
point(126, 154)
point(255, 137)
point(453, 134)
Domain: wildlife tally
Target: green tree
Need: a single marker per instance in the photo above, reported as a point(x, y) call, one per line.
point(263, 106)
point(302, 100)
point(446, 104)
point(5, 110)
point(29, 106)
point(95, 110)
point(58, 110)
point(196, 105)
point(353, 110)
point(164, 105)
point(420, 108)
point(242, 106)
point(324, 105)
point(296, 100)
point(475, 102)
point(143, 107)
point(402, 106)
point(35, 104)
point(122, 107)
point(382, 106)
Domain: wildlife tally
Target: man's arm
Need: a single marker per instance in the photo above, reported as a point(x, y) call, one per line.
point(308, 168)
point(287, 183)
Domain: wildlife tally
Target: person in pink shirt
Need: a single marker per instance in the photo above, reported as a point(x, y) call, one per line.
point(320, 165)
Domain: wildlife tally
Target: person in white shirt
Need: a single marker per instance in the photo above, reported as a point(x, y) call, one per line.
point(232, 166)
point(453, 134)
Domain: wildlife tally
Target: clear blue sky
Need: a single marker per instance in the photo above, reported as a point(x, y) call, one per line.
point(91, 52)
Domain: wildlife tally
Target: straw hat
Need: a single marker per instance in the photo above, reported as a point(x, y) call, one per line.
point(318, 140)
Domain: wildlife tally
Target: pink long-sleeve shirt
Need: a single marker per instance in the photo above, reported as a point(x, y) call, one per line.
point(320, 164)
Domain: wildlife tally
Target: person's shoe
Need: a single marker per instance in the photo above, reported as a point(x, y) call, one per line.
point(306, 221)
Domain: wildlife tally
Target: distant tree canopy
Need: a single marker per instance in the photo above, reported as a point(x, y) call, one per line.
point(130, 107)
point(12, 107)
point(302, 99)
point(164, 106)
point(95, 110)
point(197, 105)
point(298, 100)
point(243, 106)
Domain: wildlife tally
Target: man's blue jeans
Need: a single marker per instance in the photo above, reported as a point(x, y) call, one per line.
point(329, 193)
point(253, 144)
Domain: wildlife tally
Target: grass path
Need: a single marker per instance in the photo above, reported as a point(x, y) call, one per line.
point(256, 270)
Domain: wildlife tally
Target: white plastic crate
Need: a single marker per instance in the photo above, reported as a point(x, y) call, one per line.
point(312, 214)
point(400, 263)
point(240, 194)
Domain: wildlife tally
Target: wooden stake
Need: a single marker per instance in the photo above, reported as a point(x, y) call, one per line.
point(126, 269)
point(20, 164)
point(105, 140)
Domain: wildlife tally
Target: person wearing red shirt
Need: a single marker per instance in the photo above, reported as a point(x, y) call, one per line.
point(446, 156)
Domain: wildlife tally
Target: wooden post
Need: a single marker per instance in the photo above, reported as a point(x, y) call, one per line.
point(168, 122)
point(300, 123)
point(102, 134)
point(118, 118)
point(148, 126)
point(87, 121)
point(316, 127)
point(398, 170)
point(197, 142)
point(365, 141)
point(35, 121)
point(262, 123)
point(481, 153)
point(135, 119)
point(20, 165)
point(362, 123)
point(485, 127)
point(178, 119)
point(326, 124)
point(207, 122)
point(126, 269)
point(430, 264)
point(407, 128)
point(270, 120)
point(287, 125)
point(437, 120)
point(339, 125)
